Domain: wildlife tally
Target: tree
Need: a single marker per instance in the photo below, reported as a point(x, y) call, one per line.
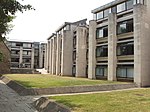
point(8, 9)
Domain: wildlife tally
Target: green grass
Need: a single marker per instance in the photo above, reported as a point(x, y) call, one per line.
point(45, 81)
point(122, 101)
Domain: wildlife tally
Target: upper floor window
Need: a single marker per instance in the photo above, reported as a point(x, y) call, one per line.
point(125, 27)
point(129, 4)
point(121, 7)
point(102, 51)
point(106, 12)
point(125, 49)
point(27, 45)
point(125, 6)
point(102, 32)
point(94, 16)
point(100, 15)
point(138, 1)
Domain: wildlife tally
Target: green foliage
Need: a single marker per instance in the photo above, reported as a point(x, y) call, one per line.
point(118, 101)
point(46, 81)
point(1, 56)
point(8, 8)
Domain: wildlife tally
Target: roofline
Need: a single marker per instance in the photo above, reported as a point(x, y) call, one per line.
point(62, 26)
point(52, 35)
point(107, 5)
point(67, 23)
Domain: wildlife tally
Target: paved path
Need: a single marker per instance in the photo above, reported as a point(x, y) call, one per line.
point(10, 101)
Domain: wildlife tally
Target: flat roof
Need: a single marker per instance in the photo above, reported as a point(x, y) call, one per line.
point(113, 3)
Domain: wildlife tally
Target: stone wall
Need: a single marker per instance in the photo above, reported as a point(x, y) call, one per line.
point(64, 90)
point(5, 63)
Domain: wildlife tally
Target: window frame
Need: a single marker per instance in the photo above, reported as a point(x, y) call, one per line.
point(102, 48)
point(98, 30)
point(126, 22)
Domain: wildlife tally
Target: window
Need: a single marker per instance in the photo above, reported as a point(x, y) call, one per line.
point(15, 60)
point(121, 7)
point(114, 9)
point(27, 45)
point(125, 49)
point(101, 70)
point(100, 15)
point(74, 55)
point(125, 71)
point(125, 27)
point(27, 53)
point(94, 17)
point(74, 70)
point(15, 52)
point(106, 12)
point(138, 2)
point(74, 42)
point(13, 44)
point(102, 51)
point(102, 32)
point(129, 4)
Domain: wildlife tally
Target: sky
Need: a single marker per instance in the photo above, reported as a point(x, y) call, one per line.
point(38, 25)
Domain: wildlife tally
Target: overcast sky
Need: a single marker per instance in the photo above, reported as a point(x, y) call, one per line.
point(38, 25)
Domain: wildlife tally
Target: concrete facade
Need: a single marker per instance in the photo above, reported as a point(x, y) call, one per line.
point(123, 30)
point(115, 46)
point(27, 54)
point(63, 41)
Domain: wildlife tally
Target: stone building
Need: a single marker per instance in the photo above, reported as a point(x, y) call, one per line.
point(67, 50)
point(27, 54)
point(5, 58)
point(119, 42)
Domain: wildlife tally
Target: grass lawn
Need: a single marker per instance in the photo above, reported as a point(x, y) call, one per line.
point(45, 81)
point(119, 101)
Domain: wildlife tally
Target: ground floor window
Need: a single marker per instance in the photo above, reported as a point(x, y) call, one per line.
point(101, 70)
point(74, 70)
point(124, 71)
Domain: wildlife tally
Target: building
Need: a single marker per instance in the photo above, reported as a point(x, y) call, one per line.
point(27, 54)
point(119, 42)
point(4, 58)
point(67, 50)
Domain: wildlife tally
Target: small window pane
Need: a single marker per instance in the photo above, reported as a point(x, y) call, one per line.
point(114, 9)
point(121, 7)
point(100, 15)
point(129, 4)
point(94, 17)
point(106, 12)
point(121, 72)
point(102, 32)
point(130, 72)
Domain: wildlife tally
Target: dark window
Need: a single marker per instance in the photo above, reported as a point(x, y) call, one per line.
point(74, 70)
point(100, 15)
point(125, 49)
point(138, 1)
point(74, 42)
point(125, 27)
point(14, 59)
point(102, 51)
point(125, 71)
point(74, 55)
point(101, 70)
point(102, 32)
